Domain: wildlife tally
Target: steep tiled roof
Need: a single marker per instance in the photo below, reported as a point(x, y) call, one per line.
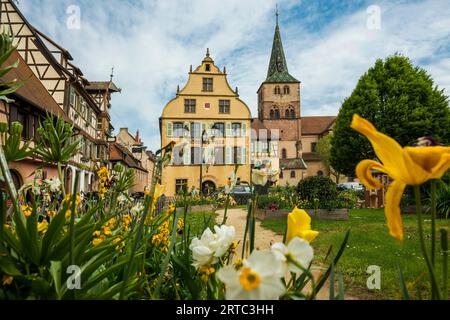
point(118, 152)
point(33, 91)
point(102, 85)
point(317, 125)
point(292, 164)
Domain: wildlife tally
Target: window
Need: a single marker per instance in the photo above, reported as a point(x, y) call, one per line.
point(219, 129)
point(72, 97)
point(208, 67)
point(189, 105)
point(208, 84)
point(290, 113)
point(178, 129)
point(314, 147)
point(277, 90)
point(292, 174)
point(286, 90)
point(224, 106)
point(236, 129)
point(196, 129)
point(275, 114)
point(22, 119)
point(181, 186)
point(284, 154)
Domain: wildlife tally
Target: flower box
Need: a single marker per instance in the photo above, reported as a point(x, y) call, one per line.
point(321, 214)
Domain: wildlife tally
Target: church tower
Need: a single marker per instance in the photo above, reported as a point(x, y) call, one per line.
point(279, 109)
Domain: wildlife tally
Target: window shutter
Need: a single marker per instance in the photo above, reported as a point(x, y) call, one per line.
point(244, 155)
point(228, 132)
point(228, 155)
point(244, 129)
point(169, 127)
point(252, 147)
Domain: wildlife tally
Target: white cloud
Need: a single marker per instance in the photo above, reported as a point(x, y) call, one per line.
point(152, 43)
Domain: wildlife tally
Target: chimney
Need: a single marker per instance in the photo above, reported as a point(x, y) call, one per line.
point(138, 139)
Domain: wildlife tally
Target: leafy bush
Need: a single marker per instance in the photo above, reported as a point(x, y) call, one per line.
point(318, 190)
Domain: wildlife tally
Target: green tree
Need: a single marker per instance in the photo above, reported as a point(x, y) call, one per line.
point(401, 100)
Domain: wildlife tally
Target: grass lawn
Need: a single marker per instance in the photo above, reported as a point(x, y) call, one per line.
point(370, 244)
point(199, 221)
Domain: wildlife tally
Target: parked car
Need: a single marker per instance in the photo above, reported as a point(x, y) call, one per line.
point(241, 194)
point(351, 186)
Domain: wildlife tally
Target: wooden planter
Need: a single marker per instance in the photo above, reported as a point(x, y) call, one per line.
point(321, 214)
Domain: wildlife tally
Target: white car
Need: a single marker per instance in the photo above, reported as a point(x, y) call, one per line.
point(352, 186)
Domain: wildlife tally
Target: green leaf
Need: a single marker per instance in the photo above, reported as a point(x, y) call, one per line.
point(55, 271)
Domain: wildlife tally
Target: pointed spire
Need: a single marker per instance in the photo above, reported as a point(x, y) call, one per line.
point(237, 90)
point(278, 69)
point(190, 68)
point(112, 74)
point(207, 52)
point(178, 88)
point(277, 13)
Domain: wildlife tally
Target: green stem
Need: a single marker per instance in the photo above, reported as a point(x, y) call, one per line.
point(434, 287)
point(225, 216)
point(433, 222)
point(61, 179)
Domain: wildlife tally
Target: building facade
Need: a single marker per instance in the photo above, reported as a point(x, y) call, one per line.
point(279, 109)
point(135, 146)
point(211, 127)
point(58, 87)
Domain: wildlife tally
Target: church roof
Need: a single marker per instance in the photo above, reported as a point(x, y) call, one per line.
point(278, 69)
point(317, 125)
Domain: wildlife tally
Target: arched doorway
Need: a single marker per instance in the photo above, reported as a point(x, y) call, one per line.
point(208, 187)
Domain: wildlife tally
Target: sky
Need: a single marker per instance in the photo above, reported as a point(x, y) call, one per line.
point(328, 44)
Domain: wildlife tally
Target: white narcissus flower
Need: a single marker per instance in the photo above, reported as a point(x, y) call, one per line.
point(297, 250)
point(262, 176)
point(211, 246)
point(121, 199)
point(258, 279)
point(54, 184)
point(137, 209)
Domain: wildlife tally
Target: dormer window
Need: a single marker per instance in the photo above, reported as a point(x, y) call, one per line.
point(208, 84)
point(208, 67)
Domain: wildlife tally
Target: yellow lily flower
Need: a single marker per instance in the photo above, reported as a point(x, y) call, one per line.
point(42, 226)
point(299, 225)
point(159, 191)
point(406, 166)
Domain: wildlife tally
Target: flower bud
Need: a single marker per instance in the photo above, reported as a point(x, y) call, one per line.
point(118, 168)
point(4, 127)
point(16, 128)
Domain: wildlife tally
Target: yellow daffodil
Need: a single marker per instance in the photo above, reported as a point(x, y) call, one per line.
point(7, 280)
point(406, 166)
point(98, 241)
point(27, 211)
point(42, 226)
point(159, 191)
point(299, 225)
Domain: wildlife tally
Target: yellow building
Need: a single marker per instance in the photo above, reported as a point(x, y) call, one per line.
point(211, 127)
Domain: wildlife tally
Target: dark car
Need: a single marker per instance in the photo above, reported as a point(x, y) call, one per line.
point(241, 194)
